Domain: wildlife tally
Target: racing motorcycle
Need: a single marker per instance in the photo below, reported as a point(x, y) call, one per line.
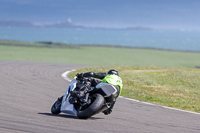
point(83, 101)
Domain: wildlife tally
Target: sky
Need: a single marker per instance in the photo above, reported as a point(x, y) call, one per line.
point(181, 14)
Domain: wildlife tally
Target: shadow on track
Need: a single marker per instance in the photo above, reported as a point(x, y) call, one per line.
point(68, 116)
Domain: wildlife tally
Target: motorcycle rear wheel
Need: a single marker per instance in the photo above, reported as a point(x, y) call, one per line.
point(93, 108)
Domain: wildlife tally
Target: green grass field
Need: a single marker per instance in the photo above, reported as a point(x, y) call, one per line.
point(91, 55)
point(162, 77)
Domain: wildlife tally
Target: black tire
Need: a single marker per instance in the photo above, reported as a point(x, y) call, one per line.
point(55, 109)
point(93, 108)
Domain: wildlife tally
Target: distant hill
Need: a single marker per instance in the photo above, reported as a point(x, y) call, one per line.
point(68, 24)
point(60, 25)
point(13, 23)
point(138, 28)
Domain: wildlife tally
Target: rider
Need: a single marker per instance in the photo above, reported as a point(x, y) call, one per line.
point(111, 77)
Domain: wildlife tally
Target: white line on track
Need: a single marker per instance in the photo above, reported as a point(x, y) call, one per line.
point(64, 75)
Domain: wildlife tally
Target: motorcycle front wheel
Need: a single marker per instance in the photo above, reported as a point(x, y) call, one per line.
point(55, 109)
point(93, 108)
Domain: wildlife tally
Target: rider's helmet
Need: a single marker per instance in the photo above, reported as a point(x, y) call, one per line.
point(113, 72)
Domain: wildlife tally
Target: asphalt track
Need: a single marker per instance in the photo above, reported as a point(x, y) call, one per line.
point(28, 90)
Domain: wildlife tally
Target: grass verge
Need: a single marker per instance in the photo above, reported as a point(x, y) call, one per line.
point(168, 86)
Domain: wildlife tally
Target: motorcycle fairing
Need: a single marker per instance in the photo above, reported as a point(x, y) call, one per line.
point(108, 89)
point(66, 107)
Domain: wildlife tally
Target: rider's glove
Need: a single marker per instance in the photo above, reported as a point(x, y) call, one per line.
point(107, 111)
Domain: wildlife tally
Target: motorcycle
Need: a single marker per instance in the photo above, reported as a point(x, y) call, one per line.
point(84, 102)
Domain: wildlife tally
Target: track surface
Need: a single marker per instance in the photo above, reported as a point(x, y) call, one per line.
point(28, 90)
